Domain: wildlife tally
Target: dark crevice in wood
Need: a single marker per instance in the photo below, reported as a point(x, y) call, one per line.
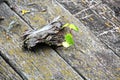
point(13, 65)
point(69, 64)
point(7, 3)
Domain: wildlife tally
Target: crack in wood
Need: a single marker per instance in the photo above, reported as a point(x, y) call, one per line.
point(12, 64)
point(69, 64)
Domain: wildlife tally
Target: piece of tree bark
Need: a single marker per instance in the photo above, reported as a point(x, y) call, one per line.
point(51, 34)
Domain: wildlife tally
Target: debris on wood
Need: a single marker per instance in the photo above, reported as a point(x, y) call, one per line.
point(11, 25)
point(8, 30)
point(25, 11)
point(51, 34)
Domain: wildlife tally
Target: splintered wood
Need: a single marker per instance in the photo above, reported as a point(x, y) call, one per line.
point(51, 34)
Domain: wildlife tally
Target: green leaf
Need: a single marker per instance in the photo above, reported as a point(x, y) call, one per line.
point(69, 39)
point(74, 27)
point(71, 26)
point(66, 25)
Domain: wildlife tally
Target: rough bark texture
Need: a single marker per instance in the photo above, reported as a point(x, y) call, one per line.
point(52, 35)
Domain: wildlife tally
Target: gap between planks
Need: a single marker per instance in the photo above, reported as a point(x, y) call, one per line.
point(11, 64)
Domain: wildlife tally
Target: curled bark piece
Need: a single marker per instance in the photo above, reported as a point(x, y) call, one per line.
point(50, 34)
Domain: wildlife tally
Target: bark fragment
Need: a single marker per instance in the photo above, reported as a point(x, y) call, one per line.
point(51, 34)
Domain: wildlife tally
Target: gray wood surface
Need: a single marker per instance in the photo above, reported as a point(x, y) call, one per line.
point(6, 72)
point(42, 64)
point(101, 20)
point(89, 57)
point(98, 16)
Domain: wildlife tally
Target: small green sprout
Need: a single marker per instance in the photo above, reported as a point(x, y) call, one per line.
point(71, 26)
point(68, 40)
point(68, 37)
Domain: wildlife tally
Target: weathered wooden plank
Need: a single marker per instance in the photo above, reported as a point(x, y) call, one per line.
point(43, 64)
point(114, 5)
point(89, 56)
point(100, 19)
point(6, 72)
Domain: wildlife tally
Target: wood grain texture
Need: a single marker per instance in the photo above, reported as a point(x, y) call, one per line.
point(89, 57)
point(114, 5)
point(104, 24)
point(6, 72)
point(42, 64)
point(99, 18)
